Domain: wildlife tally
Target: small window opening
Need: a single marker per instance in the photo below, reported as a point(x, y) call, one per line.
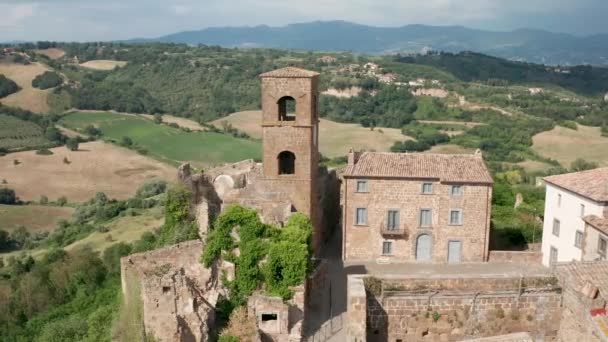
point(166, 289)
point(269, 317)
point(287, 109)
point(287, 161)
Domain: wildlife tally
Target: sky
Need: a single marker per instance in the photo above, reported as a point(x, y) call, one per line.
point(97, 20)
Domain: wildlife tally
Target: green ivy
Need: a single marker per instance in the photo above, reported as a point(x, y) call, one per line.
point(286, 252)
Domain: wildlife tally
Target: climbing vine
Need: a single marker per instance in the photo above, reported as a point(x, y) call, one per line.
point(269, 258)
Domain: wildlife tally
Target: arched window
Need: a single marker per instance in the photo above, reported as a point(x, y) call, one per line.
point(287, 109)
point(287, 163)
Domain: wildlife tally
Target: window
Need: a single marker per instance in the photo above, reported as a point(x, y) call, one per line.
point(269, 317)
point(455, 217)
point(559, 200)
point(387, 248)
point(362, 186)
point(392, 222)
point(361, 217)
point(287, 109)
point(553, 255)
point(582, 210)
point(578, 239)
point(601, 247)
point(427, 188)
point(556, 227)
point(456, 190)
point(287, 163)
point(426, 218)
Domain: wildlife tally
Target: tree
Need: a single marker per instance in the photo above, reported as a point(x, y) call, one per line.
point(158, 119)
point(7, 86)
point(47, 80)
point(126, 141)
point(43, 200)
point(61, 201)
point(8, 196)
point(582, 165)
point(72, 144)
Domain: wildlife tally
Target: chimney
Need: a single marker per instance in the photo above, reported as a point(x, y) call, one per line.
point(353, 157)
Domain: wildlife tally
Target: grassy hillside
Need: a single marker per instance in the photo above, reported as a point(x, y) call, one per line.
point(566, 145)
point(335, 139)
point(18, 134)
point(28, 97)
point(166, 143)
point(36, 218)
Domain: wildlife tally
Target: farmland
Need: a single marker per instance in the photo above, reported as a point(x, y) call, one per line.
point(335, 139)
point(36, 218)
point(171, 145)
point(17, 134)
point(78, 175)
point(566, 145)
point(103, 64)
point(28, 97)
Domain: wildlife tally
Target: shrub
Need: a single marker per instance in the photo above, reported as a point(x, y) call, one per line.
point(72, 144)
point(152, 188)
point(47, 80)
point(43, 200)
point(62, 201)
point(436, 316)
point(44, 152)
point(8, 196)
point(7, 86)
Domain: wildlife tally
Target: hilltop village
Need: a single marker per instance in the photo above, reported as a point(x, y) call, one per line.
point(196, 193)
point(400, 244)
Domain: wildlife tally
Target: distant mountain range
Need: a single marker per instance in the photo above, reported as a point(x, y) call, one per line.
point(525, 45)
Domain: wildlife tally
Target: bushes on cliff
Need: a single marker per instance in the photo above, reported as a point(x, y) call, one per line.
point(179, 221)
point(286, 252)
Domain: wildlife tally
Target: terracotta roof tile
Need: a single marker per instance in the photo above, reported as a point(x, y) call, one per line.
point(597, 222)
point(290, 72)
point(592, 184)
point(581, 273)
point(465, 168)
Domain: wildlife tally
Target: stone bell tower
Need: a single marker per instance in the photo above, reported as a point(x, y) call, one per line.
point(290, 125)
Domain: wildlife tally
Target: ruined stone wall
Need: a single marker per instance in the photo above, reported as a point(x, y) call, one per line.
point(423, 309)
point(518, 257)
point(277, 320)
point(356, 310)
point(364, 242)
point(178, 293)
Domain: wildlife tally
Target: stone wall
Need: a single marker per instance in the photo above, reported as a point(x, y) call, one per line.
point(277, 320)
point(178, 293)
point(519, 257)
point(422, 309)
point(356, 310)
point(364, 242)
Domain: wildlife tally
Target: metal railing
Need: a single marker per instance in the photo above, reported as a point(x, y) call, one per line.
point(399, 230)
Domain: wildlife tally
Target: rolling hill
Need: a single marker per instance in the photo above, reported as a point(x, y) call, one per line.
point(526, 45)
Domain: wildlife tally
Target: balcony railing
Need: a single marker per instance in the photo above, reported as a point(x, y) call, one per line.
point(398, 230)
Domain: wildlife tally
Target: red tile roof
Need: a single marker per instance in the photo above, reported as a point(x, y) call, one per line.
point(597, 222)
point(458, 168)
point(582, 273)
point(592, 184)
point(291, 72)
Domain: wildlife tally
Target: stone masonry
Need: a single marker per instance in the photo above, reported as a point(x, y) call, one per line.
point(364, 242)
point(444, 309)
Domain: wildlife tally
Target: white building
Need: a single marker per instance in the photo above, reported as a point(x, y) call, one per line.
point(576, 217)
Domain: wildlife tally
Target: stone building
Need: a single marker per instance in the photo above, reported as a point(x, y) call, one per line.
point(411, 207)
point(576, 217)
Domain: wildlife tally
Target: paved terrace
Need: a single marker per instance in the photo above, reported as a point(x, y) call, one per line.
point(473, 270)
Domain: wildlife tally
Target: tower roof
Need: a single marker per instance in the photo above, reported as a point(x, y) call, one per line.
point(290, 72)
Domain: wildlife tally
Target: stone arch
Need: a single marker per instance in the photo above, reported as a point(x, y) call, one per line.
point(223, 184)
point(423, 247)
point(287, 108)
point(287, 163)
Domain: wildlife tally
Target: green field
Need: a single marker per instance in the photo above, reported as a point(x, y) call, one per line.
point(166, 143)
point(18, 134)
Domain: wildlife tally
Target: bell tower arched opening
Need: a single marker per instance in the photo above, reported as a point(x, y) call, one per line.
point(287, 163)
point(287, 108)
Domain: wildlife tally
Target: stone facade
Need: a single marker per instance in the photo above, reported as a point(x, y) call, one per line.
point(364, 242)
point(454, 309)
point(278, 320)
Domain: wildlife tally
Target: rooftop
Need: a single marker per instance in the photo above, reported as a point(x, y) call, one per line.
point(592, 184)
point(290, 72)
point(461, 168)
point(583, 274)
point(597, 222)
